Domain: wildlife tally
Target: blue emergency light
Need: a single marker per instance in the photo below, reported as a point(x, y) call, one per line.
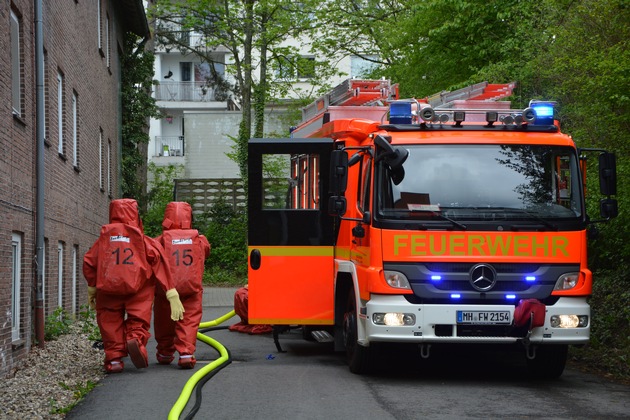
point(400, 113)
point(544, 112)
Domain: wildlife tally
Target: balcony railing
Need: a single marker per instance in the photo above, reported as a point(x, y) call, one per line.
point(169, 146)
point(184, 91)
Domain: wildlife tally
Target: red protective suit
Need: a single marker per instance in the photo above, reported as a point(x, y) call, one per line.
point(187, 251)
point(123, 265)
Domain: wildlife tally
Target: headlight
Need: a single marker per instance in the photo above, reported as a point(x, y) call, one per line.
point(567, 281)
point(396, 279)
point(393, 319)
point(569, 321)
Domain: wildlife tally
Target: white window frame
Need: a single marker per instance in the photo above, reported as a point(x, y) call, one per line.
point(75, 256)
point(45, 89)
point(288, 68)
point(60, 274)
point(16, 285)
point(60, 111)
point(107, 46)
point(305, 58)
point(98, 25)
point(285, 68)
point(16, 65)
point(109, 167)
point(100, 159)
point(359, 66)
point(75, 130)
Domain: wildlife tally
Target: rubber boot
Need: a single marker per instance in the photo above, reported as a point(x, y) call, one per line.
point(164, 359)
point(114, 366)
point(187, 361)
point(137, 353)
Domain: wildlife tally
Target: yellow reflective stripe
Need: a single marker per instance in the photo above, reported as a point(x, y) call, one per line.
point(294, 251)
point(342, 253)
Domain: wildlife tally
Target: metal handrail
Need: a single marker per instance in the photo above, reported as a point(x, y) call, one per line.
point(169, 146)
point(184, 91)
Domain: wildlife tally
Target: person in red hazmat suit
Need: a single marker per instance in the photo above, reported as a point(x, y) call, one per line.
point(187, 251)
point(121, 270)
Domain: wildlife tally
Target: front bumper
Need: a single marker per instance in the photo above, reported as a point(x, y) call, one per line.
point(438, 323)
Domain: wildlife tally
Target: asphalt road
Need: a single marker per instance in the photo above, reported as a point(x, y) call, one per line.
point(311, 381)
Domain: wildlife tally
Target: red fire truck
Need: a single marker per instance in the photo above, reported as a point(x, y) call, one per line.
point(448, 220)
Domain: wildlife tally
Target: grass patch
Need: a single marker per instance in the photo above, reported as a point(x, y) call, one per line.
point(80, 390)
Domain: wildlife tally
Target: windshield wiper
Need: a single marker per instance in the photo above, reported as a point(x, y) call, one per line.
point(531, 215)
point(441, 216)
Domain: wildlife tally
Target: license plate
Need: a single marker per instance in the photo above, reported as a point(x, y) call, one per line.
point(484, 317)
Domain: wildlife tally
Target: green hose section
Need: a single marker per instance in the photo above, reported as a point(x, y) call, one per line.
point(218, 321)
point(181, 402)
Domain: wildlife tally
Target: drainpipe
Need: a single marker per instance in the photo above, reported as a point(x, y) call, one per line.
point(40, 167)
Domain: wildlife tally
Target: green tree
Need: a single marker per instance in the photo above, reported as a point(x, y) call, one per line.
point(137, 107)
point(587, 71)
point(161, 193)
point(254, 34)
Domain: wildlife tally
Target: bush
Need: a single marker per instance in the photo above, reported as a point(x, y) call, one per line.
point(87, 322)
point(226, 230)
point(160, 194)
point(57, 324)
point(609, 347)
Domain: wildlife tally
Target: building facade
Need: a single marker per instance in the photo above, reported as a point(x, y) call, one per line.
point(200, 121)
point(81, 126)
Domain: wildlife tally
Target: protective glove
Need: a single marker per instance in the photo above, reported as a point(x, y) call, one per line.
point(92, 297)
point(177, 309)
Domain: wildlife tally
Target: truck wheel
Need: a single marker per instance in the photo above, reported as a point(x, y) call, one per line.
point(358, 356)
point(549, 362)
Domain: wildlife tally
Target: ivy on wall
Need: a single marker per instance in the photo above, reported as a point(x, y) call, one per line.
point(137, 108)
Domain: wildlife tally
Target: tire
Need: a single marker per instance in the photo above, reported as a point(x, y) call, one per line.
point(549, 362)
point(358, 357)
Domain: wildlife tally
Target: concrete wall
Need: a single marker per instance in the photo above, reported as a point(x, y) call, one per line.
point(208, 140)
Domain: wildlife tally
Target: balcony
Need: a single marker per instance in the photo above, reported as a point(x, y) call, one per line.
point(184, 91)
point(168, 146)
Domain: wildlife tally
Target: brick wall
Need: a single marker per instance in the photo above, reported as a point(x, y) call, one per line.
point(75, 205)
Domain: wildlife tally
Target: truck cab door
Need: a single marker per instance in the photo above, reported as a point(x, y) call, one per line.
point(290, 234)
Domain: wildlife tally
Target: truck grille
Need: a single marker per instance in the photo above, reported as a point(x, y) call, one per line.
point(446, 330)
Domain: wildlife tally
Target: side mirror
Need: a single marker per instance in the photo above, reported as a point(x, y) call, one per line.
point(337, 205)
point(398, 175)
point(607, 174)
point(394, 157)
point(608, 208)
point(338, 172)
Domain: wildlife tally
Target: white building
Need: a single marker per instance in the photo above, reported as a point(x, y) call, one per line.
point(200, 121)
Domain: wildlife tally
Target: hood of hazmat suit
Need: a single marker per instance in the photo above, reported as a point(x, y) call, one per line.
point(177, 215)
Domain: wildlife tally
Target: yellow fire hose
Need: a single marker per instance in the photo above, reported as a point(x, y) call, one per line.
point(181, 402)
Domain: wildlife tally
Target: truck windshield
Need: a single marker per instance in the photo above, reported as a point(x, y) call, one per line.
point(482, 182)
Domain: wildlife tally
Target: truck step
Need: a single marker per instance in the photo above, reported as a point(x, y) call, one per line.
point(322, 336)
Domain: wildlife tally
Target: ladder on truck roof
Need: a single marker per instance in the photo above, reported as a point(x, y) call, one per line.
point(352, 92)
point(473, 96)
point(344, 101)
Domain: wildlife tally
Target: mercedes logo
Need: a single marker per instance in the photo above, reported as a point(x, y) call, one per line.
point(483, 277)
